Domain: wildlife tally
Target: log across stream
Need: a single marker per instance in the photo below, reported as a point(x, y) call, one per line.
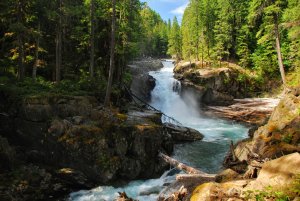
point(206, 155)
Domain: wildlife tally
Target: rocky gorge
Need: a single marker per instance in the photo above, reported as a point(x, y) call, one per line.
point(263, 166)
point(53, 145)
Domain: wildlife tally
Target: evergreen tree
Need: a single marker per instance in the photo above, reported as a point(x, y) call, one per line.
point(175, 40)
point(292, 24)
point(270, 13)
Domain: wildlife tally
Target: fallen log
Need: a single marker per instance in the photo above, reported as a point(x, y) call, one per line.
point(179, 165)
point(196, 178)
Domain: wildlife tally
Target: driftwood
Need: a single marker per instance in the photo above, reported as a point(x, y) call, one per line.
point(253, 110)
point(196, 178)
point(179, 165)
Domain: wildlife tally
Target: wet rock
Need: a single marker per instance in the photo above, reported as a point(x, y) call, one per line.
point(74, 177)
point(142, 85)
point(182, 134)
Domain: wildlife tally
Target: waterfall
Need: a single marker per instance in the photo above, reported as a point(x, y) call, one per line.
point(206, 155)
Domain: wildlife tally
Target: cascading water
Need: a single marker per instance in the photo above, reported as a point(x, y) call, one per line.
point(206, 155)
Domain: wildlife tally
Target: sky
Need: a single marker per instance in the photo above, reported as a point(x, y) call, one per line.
point(168, 8)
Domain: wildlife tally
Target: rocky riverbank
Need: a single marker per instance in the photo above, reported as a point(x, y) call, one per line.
point(265, 166)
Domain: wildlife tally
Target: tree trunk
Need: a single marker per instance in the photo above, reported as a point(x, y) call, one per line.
point(36, 63)
point(179, 165)
point(21, 70)
point(92, 40)
point(279, 56)
point(196, 178)
point(58, 45)
point(202, 50)
point(20, 39)
point(112, 55)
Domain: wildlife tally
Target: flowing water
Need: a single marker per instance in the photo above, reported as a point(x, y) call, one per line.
point(206, 155)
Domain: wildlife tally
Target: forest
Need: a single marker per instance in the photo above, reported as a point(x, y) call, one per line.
point(263, 36)
point(68, 41)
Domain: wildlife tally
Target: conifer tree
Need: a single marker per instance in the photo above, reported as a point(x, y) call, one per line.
point(175, 40)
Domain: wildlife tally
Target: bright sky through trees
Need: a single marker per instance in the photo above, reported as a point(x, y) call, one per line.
point(168, 8)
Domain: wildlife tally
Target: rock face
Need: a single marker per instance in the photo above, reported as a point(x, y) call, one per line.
point(142, 83)
point(78, 143)
point(213, 86)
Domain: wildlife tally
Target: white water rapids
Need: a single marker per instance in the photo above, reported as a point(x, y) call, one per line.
point(206, 155)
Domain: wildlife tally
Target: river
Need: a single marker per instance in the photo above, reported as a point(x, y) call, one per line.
point(206, 155)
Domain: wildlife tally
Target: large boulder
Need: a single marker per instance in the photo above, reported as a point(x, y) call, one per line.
point(142, 83)
point(182, 134)
point(213, 86)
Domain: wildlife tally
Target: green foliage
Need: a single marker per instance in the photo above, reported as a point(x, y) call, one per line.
point(154, 41)
point(83, 86)
point(265, 61)
point(263, 195)
point(287, 138)
point(175, 40)
point(242, 31)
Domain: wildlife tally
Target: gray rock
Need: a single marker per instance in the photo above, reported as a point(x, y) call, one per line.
point(182, 134)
